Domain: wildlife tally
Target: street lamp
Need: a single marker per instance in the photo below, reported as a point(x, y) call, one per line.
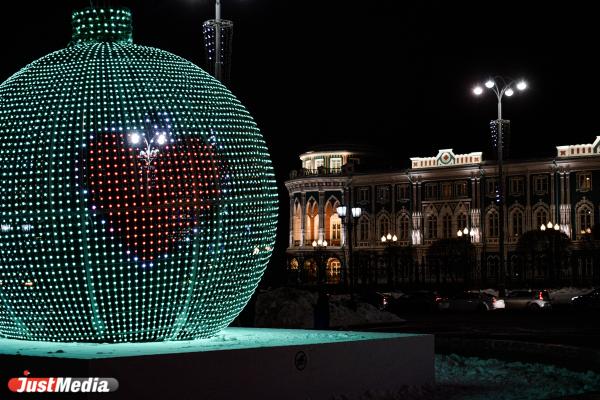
point(320, 246)
point(500, 86)
point(348, 222)
point(550, 227)
point(390, 240)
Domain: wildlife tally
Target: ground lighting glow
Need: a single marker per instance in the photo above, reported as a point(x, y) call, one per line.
point(137, 197)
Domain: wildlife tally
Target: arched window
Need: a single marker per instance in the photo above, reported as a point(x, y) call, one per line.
point(517, 223)
point(294, 264)
point(403, 227)
point(311, 227)
point(447, 226)
point(333, 270)
point(541, 217)
point(297, 221)
point(585, 217)
point(431, 227)
point(363, 229)
point(383, 227)
point(335, 230)
point(492, 223)
point(461, 221)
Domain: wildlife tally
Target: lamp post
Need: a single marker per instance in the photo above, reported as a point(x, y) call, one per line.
point(320, 246)
point(348, 222)
point(389, 240)
point(501, 87)
point(550, 227)
point(468, 235)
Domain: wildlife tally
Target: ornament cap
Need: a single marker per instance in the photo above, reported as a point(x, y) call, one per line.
point(101, 25)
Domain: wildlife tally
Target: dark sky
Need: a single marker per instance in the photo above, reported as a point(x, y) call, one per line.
point(387, 73)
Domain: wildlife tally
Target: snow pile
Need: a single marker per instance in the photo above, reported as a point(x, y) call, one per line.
point(285, 308)
point(294, 308)
point(471, 378)
point(564, 295)
point(343, 313)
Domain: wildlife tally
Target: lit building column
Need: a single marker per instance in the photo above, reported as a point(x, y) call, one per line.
point(321, 234)
point(302, 217)
point(292, 210)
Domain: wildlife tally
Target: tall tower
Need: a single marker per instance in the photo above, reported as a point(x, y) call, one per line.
point(218, 34)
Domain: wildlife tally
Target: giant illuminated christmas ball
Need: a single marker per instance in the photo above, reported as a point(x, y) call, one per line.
point(137, 197)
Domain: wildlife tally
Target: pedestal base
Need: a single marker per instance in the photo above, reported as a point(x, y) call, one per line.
point(239, 363)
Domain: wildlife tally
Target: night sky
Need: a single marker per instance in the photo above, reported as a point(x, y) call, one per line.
point(384, 73)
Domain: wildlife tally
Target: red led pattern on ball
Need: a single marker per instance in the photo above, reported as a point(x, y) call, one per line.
point(150, 207)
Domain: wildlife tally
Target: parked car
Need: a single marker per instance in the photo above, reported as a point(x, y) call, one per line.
point(377, 299)
point(471, 301)
point(416, 301)
point(532, 300)
point(588, 300)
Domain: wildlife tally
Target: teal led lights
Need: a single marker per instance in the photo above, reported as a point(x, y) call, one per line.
point(137, 197)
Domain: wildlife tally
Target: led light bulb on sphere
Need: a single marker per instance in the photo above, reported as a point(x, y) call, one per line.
point(137, 197)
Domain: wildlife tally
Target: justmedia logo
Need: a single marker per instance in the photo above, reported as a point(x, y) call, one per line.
point(27, 384)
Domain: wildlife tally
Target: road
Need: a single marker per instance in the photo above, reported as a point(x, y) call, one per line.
point(563, 326)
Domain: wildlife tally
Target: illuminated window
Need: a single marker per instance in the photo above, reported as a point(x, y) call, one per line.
point(319, 162)
point(335, 163)
point(584, 181)
point(461, 189)
point(446, 190)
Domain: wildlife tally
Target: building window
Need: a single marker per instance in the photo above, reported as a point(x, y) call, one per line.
point(491, 187)
point(461, 221)
point(333, 270)
point(584, 218)
point(294, 264)
point(335, 229)
point(540, 184)
point(516, 185)
point(402, 193)
point(541, 218)
point(319, 162)
point(584, 181)
point(517, 223)
point(446, 190)
point(447, 226)
point(363, 230)
point(492, 224)
point(363, 194)
point(431, 227)
point(306, 164)
point(383, 194)
point(431, 191)
point(403, 227)
point(335, 163)
point(461, 189)
point(384, 226)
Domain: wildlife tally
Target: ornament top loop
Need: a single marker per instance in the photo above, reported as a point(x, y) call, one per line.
point(101, 25)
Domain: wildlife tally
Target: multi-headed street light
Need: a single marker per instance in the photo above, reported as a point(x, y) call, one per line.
point(501, 87)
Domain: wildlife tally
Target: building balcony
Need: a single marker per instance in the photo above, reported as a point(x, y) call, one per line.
point(321, 171)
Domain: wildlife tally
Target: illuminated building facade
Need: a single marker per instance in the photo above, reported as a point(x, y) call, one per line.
point(432, 201)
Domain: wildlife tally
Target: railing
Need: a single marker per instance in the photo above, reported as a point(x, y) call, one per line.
point(321, 171)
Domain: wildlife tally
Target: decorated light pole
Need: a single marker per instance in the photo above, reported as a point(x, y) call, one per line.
point(501, 87)
point(390, 241)
point(348, 221)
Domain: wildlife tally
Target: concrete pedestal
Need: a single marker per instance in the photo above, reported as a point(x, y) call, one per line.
point(239, 363)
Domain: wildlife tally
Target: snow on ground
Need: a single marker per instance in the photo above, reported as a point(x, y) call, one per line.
point(294, 308)
point(471, 378)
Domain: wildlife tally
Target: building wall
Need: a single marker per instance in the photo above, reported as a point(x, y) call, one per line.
point(431, 202)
